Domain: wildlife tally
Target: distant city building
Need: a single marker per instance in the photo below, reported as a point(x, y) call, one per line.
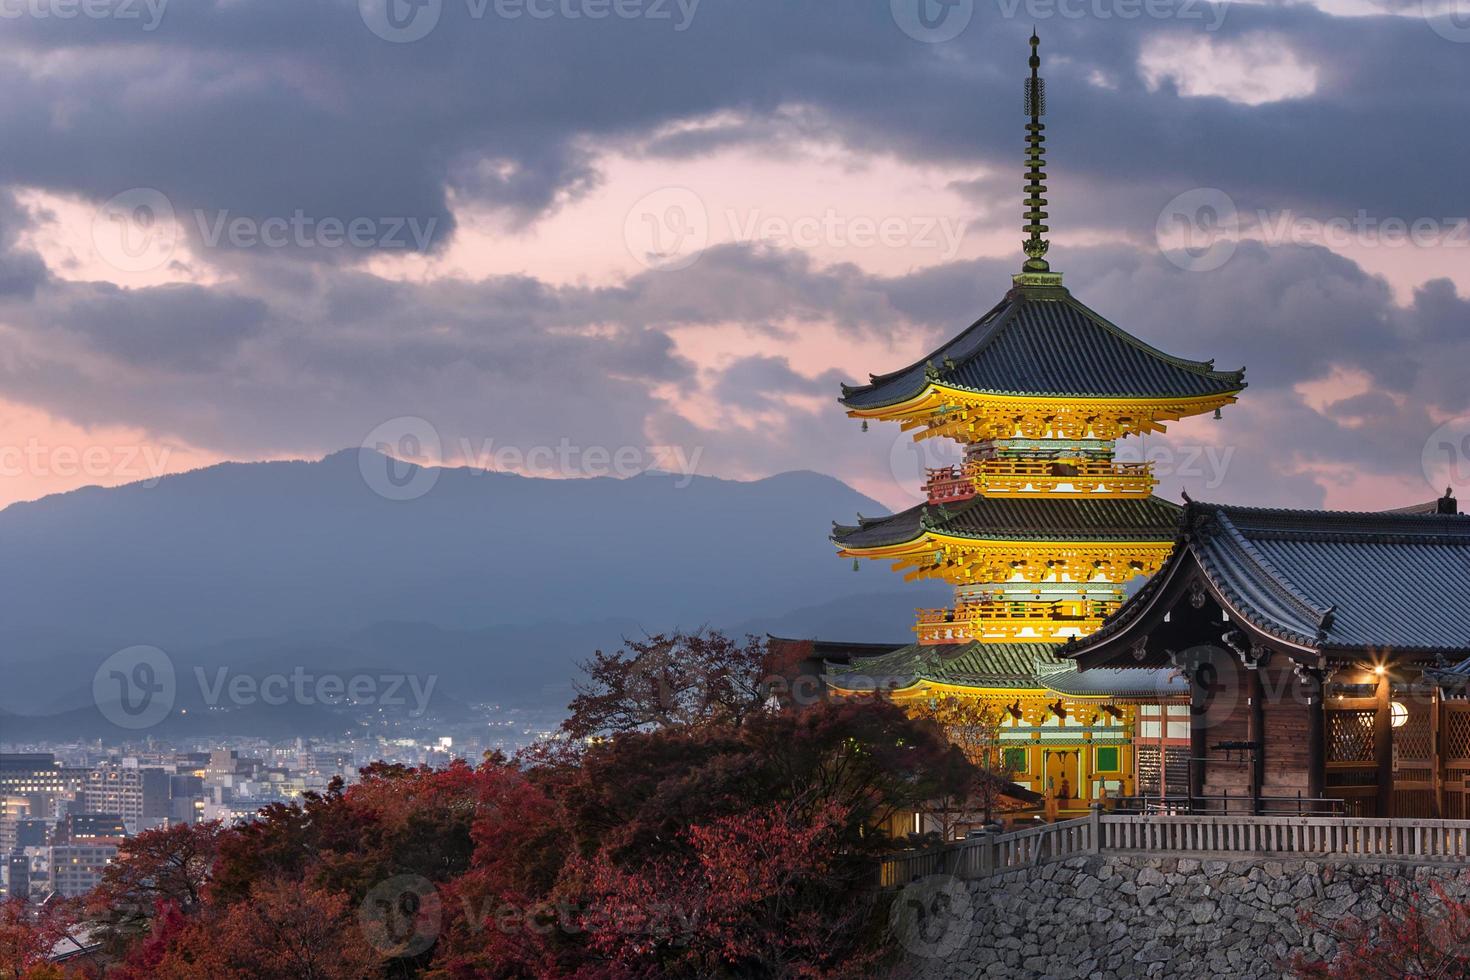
point(18, 876)
point(78, 828)
point(139, 796)
point(36, 777)
point(77, 868)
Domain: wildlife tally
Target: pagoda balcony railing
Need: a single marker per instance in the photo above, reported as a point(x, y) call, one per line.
point(1001, 475)
point(1002, 621)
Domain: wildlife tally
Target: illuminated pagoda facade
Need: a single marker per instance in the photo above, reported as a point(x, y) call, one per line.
point(1040, 527)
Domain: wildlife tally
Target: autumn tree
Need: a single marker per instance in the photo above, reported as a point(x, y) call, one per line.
point(28, 934)
point(669, 679)
point(761, 894)
point(973, 726)
point(1423, 932)
point(166, 867)
point(286, 929)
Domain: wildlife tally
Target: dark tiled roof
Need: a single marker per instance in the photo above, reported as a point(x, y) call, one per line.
point(1328, 580)
point(976, 664)
point(1044, 342)
point(1003, 665)
point(1057, 518)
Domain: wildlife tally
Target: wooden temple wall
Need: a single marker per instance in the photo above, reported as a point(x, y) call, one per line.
point(1255, 727)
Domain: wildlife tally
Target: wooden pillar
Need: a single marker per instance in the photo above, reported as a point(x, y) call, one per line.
point(1436, 708)
point(1199, 702)
point(1316, 734)
point(1258, 736)
point(1383, 745)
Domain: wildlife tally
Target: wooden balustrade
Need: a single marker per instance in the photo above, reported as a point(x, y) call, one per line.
point(1006, 475)
point(1219, 837)
point(977, 620)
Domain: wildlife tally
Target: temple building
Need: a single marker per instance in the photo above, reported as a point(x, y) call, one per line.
point(1040, 528)
point(1327, 655)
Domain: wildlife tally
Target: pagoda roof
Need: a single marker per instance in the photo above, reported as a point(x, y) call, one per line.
point(1041, 341)
point(1017, 666)
point(1327, 581)
point(1056, 517)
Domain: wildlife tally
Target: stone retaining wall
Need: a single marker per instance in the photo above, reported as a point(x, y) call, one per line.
point(1135, 916)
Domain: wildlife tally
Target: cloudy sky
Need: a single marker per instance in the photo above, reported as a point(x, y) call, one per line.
point(579, 236)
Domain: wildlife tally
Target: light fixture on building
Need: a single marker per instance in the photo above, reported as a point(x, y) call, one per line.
point(1398, 714)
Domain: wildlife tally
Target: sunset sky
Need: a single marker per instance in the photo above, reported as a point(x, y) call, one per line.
point(466, 229)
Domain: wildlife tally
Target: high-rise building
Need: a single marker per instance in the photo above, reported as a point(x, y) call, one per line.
point(37, 777)
point(79, 828)
point(18, 876)
point(77, 868)
point(140, 796)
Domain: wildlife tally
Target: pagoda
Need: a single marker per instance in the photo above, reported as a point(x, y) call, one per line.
point(1040, 527)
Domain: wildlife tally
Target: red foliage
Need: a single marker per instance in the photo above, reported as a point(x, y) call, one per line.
point(28, 934)
point(1424, 934)
point(709, 836)
point(762, 894)
point(287, 929)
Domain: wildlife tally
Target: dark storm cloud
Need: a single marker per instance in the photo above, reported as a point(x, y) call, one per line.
point(266, 108)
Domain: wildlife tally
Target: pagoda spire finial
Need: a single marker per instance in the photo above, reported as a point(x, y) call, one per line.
point(1035, 105)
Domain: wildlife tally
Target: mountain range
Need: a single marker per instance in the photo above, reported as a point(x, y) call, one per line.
point(497, 584)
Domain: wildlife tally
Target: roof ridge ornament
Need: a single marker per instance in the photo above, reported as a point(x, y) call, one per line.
point(1036, 271)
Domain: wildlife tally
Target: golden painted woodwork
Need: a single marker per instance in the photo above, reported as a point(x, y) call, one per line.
point(940, 411)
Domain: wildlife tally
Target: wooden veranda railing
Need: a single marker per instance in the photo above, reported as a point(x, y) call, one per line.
point(1419, 841)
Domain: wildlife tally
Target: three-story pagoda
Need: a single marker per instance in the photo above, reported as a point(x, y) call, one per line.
point(1041, 526)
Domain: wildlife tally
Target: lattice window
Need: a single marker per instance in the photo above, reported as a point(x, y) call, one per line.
point(1456, 733)
point(1411, 739)
point(1350, 736)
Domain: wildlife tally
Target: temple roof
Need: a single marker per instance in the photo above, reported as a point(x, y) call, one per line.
point(1040, 341)
point(1325, 580)
point(1054, 518)
point(1021, 666)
